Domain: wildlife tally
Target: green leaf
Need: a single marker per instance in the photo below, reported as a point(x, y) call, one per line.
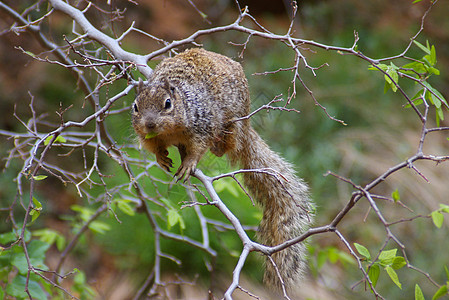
point(99, 227)
point(228, 185)
point(8, 237)
point(59, 139)
point(433, 56)
point(433, 70)
point(173, 218)
point(166, 202)
point(396, 196)
point(48, 140)
point(151, 135)
point(393, 276)
point(80, 278)
point(439, 116)
point(332, 255)
point(416, 1)
point(17, 287)
point(36, 290)
point(125, 207)
point(435, 92)
point(85, 212)
point(50, 236)
point(398, 262)
point(437, 218)
point(422, 47)
point(20, 262)
point(36, 210)
point(321, 259)
point(440, 293)
point(387, 255)
point(417, 66)
point(37, 249)
point(362, 251)
point(374, 273)
point(345, 257)
point(444, 208)
point(37, 204)
point(39, 177)
point(383, 67)
point(418, 293)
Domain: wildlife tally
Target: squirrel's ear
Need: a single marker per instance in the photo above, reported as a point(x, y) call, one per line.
point(140, 86)
point(169, 86)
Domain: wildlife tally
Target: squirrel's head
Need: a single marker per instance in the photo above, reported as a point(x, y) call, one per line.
point(156, 110)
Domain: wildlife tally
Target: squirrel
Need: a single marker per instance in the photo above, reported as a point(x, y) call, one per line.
point(198, 101)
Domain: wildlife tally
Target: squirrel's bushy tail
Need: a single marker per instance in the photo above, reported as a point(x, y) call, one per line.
point(285, 201)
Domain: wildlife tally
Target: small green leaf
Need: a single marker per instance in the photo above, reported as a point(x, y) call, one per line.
point(418, 293)
point(416, 1)
point(59, 139)
point(151, 135)
point(433, 70)
point(332, 255)
point(17, 289)
point(48, 140)
point(39, 177)
point(99, 227)
point(417, 66)
point(393, 276)
point(36, 210)
point(374, 273)
point(433, 56)
point(30, 53)
point(435, 92)
point(7, 237)
point(125, 207)
point(321, 259)
point(383, 67)
point(422, 47)
point(37, 204)
point(398, 262)
point(80, 278)
point(440, 293)
point(362, 251)
point(20, 262)
point(172, 218)
point(437, 218)
point(228, 185)
point(444, 208)
point(50, 236)
point(396, 196)
point(387, 255)
point(346, 258)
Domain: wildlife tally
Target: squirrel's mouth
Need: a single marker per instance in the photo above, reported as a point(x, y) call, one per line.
point(151, 135)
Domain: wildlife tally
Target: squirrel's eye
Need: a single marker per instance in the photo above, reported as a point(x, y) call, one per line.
point(135, 108)
point(167, 103)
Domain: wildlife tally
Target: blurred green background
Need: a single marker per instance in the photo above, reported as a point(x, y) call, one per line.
point(379, 134)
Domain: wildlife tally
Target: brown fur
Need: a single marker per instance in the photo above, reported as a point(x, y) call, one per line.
point(207, 93)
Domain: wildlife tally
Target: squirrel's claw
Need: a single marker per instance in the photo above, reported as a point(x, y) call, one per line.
point(164, 161)
point(185, 170)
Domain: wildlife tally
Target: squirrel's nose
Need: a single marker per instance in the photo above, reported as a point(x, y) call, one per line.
point(150, 125)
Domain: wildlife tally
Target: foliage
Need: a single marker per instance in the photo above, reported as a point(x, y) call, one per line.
point(84, 192)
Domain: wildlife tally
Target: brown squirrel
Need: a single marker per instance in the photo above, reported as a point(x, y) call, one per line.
point(195, 101)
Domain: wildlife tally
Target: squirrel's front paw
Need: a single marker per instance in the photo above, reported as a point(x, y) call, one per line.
point(163, 160)
point(186, 169)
